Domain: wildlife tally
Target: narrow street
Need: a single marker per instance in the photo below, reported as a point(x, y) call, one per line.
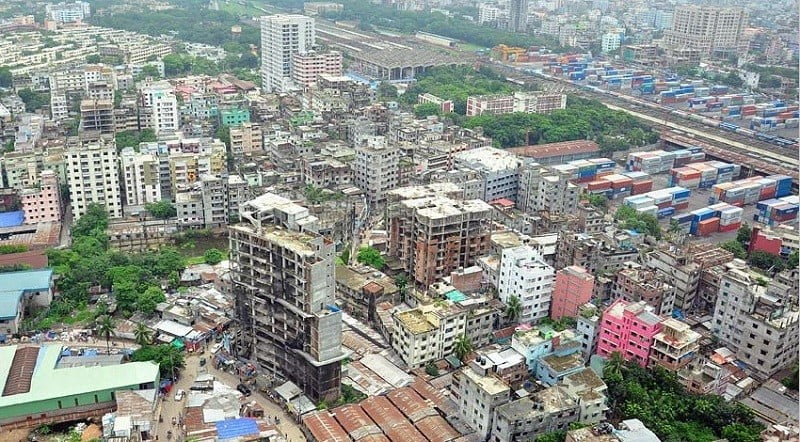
point(169, 408)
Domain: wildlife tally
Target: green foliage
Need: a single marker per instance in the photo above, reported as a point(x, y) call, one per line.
point(132, 138)
point(743, 234)
point(736, 248)
point(34, 100)
point(316, 195)
point(555, 436)
point(7, 249)
point(166, 356)
point(387, 90)
point(14, 268)
point(370, 14)
point(791, 382)
point(629, 219)
point(149, 300)
point(597, 200)
point(513, 308)
point(793, 260)
point(371, 257)
point(213, 256)
point(105, 328)
point(582, 119)
point(561, 324)
point(431, 369)
point(426, 109)
point(184, 64)
point(209, 27)
point(766, 261)
point(657, 399)
point(162, 209)
point(6, 79)
point(462, 347)
point(456, 83)
point(142, 334)
point(779, 71)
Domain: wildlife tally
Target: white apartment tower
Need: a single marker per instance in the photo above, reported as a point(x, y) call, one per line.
point(93, 177)
point(525, 274)
point(140, 176)
point(282, 36)
point(711, 30)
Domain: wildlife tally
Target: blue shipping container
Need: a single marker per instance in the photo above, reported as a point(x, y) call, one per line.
point(707, 184)
point(663, 213)
point(683, 219)
point(681, 194)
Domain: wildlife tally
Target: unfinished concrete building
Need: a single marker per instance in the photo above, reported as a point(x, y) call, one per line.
point(434, 236)
point(283, 279)
point(635, 283)
point(97, 115)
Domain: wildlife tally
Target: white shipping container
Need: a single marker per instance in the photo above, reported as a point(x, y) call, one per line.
point(649, 210)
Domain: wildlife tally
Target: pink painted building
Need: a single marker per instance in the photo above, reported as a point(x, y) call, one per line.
point(573, 288)
point(628, 328)
point(42, 204)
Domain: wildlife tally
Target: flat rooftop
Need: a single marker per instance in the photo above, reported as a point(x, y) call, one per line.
point(556, 149)
point(415, 321)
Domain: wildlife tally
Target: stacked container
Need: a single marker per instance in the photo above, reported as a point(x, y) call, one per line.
point(752, 190)
point(776, 211)
point(783, 185)
point(676, 198)
point(642, 183)
point(700, 215)
point(685, 177)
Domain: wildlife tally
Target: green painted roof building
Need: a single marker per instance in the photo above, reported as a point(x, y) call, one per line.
point(35, 390)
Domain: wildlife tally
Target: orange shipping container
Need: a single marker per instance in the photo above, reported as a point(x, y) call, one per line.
point(708, 226)
point(598, 185)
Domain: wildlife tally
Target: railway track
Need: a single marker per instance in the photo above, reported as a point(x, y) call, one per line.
point(763, 156)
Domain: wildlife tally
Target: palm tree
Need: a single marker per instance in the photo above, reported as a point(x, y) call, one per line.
point(462, 347)
point(614, 365)
point(513, 308)
point(105, 328)
point(142, 334)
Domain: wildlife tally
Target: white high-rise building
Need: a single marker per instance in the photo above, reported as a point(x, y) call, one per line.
point(488, 13)
point(281, 37)
point(93, 177)
point(68, 12)
point(525, 274)
point(160, 97)
point(140, 172)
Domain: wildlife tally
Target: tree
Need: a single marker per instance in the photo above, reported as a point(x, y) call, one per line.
point(431, 369)
point(736, 248)
point(387, 90)
point(34, 100)
point(793, 260)
point(513, 308)
point(213, 256)
point(162, 209)
point(106, 329)
point(149, 300)
point(371, 257)
point(597, 200)
point(462, 347)
point(149, 71)
point(425, 109)
point(166, 356)
point(6, 79)
point(401, 281)
point(94, 222)
point(743, 234)
point(614, 365)
point(766, 261)
point(143, 334)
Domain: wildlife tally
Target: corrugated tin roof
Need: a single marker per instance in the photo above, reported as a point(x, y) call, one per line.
point(233, 428)
point(391, 420)
point(324, 427)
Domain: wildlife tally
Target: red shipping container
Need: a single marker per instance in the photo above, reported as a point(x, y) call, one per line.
point(642, 187)
point(730, 227)
point(708, 226)
point(766, 193)
point(681, 206)
point(598, 185)
point(620, 184)
point(664, 205)
point(785, 115)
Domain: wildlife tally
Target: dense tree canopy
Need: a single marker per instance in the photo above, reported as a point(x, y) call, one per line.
point(371, 257)
point(629, 219)
point(457, 83)
point(132, 138)
point(372, 15)
point(34, 100)
point(162, 209)
point(657, 399)
point(166, 356)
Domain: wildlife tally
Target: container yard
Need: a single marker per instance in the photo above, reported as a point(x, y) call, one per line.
point(704, 175)
point(658, 161)
point(660, 203)
point(752, 190)
point(777, 210)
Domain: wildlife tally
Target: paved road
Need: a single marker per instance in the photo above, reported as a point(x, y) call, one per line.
point(169, 408)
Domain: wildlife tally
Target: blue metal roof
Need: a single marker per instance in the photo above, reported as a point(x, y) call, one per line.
point(234, 428)
point(14, 284)
point(12, 219)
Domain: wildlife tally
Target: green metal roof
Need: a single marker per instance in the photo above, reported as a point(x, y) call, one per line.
point(49, 382)
point(14, 284)
point(455, 296)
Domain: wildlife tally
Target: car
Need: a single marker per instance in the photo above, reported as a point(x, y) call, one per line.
point(179, 395)
point(202, 362)
point(215, 348)
point(243, 389)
